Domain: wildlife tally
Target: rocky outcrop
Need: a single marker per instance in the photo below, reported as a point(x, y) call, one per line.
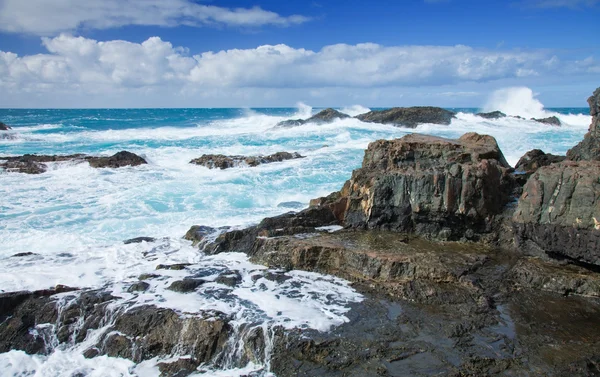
point(535, 159)
point(492, 115)
point(553, 120)
point(322, 117)
point(439, 188)
point(559, 212)
point(219, 161)
point(589, 148)
point(409, 116)
point(4, 127)
point(36, 164)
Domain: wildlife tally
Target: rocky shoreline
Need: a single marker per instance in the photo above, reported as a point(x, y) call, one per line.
point(468, 267)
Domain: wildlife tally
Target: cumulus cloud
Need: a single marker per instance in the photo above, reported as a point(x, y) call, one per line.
point(45, 18)
point(81, 65)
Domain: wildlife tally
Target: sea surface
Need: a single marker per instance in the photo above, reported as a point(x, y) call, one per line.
point(74, 218)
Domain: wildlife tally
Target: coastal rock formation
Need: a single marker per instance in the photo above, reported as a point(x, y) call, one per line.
point(492, 115)
point(535, 159)
point(589, 148)
point(439, 188)
point(409, 116)
point(219, 161)
point(324, 116)
point(553, 120)
point(4, 127)
point(36, 164)
point(559, 212)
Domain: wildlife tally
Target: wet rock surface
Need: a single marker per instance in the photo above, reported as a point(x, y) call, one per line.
point(492, 115)
point(589, 148)
point(409, 116)
point(37, 164)
point(553, 120)
point(4, 127)
point(324, 116)
point(535, 159)
point(219, 161)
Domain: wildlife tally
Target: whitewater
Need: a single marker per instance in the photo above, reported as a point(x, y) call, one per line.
point(74, 219)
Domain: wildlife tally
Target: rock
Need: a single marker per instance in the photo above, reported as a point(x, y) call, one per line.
point(177, 266)
point(492, 115)
point(139, 240)
point(4, 127)
point(197, 234)
point(408, 116)
point(180, 368)
point(148, 276)
point(589, 148)
point(186, 285)
point(291, 205)
point(140, 286)
point(27, 167)
point(559, 212)
point(535, 159)
point(324, 116)
point(117, 160)
point(553, 121)
point(230, 279)
point(19, 255)
point(439, 188)
point(214, 161)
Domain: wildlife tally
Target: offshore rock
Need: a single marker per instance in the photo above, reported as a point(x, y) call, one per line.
point(324, 116)
point(117, 160)
point(219, 161)
point(440, 188)
point(535, 159)
point(492, 115)
point(409, 116)
point(4, 127)
point(553, 120)
point(559, 212)
point(36, 164)
point(589, 148)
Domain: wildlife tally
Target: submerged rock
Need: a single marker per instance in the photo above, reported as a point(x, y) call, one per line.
point(492, 115)
point(219, 161)
point(589, 148)
point(535, 159)
point(409, 116)
point(553, 121)
point(324, 116)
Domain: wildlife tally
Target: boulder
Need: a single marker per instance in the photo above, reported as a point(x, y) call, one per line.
point(492, 115)
point(559, 212)
point(409, 116)
point(117, 160)
point(4, 127)
point(219, 161)
point(589, 148)
point(324, 116)
point(553, 121)
point(186, 285)
point(535, 159)
point(436, 187)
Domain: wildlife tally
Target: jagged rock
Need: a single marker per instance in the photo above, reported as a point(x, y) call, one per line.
point(214, 161)
point(180, 368)
point(589, 148)
point(322, 117)
point(535, 159)
point(492, 115)
point(117, 160)
point(409, 116)
point(4, 127)
point(553, 121)
point(439, 188)
point(559, 212)
point(139, 240)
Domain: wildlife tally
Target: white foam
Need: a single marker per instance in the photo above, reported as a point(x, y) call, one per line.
point(355, 110)
point(515, 101)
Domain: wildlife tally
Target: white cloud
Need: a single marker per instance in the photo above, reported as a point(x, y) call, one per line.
point(84, 67)
point(49, 17)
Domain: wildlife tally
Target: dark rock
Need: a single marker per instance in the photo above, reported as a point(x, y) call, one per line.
point(24, 167)
point(553, 121)
point(140, 286)
point(186, 285)
point(139, 240)
point(219, 161)
point(4, 127)
point(291, 205)
point(409, 116)
point(179, 368)
point(19, 255)
point(117, 160)
point(322, 117)
point(291, 123)
point(439, 188)
point(559, 212)
point(492, 115)
point(589, 148)
point(535, 159)
point(90, 353)
point(230, 279)
point(148, 276)
point(178, 266)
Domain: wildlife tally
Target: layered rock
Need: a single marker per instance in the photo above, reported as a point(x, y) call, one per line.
point(36, 164)
point(409, 116)
point(440, 188)
point(535, 159)
point(589, 148)
point(324, 116)
point(219, 161)
point(553, 120)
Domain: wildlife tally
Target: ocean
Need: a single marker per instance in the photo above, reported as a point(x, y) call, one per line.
point(74, 218)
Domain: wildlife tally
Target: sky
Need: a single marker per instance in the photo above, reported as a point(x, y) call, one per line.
point(274, 53)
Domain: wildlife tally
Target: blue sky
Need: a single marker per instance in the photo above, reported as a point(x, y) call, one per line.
point(178, 53)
